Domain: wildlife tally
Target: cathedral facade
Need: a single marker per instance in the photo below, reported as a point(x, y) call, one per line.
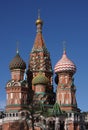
point(31, 103)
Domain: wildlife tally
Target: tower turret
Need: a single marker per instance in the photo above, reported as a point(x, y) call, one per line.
point(17, 88)
point(17, 67)
point(40, 84)
point(66, 89)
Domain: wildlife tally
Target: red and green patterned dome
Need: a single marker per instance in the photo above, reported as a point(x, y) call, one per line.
point(40, 79)
point(65, 64)
point(17, 63)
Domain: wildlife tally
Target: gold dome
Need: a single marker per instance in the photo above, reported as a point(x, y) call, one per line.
point(39, 21)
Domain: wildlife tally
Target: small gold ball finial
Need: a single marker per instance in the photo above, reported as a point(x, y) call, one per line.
point(39, 21)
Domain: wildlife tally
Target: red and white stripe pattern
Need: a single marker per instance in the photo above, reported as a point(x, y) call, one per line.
point(65, 64)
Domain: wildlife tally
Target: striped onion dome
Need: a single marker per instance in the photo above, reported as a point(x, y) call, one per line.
point(17, 63)
point(65, 64)
point(40, 79)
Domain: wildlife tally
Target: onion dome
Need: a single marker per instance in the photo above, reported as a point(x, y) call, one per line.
point(17, 63)
point(65, 64)
point(40, 79)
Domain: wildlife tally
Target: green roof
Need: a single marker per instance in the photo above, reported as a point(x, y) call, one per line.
point(40, 79)
point(56, 109)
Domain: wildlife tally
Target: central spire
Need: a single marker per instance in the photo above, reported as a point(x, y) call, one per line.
point(40, 57)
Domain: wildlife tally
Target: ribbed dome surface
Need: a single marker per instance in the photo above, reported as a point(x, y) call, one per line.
point(17, 63)
point(65, 64)
point(40, 79)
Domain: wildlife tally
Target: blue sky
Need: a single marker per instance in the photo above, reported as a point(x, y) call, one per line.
point(63, 20)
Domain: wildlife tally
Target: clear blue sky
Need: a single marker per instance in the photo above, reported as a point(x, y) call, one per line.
point(63, 20)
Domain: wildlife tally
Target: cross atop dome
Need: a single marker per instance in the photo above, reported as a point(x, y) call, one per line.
point(17, 49)
point(64, 46)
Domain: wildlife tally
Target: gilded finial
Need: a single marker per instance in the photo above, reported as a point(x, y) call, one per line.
point(39, 21)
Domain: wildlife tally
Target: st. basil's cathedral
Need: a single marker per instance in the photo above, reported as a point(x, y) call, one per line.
point(31, 103)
